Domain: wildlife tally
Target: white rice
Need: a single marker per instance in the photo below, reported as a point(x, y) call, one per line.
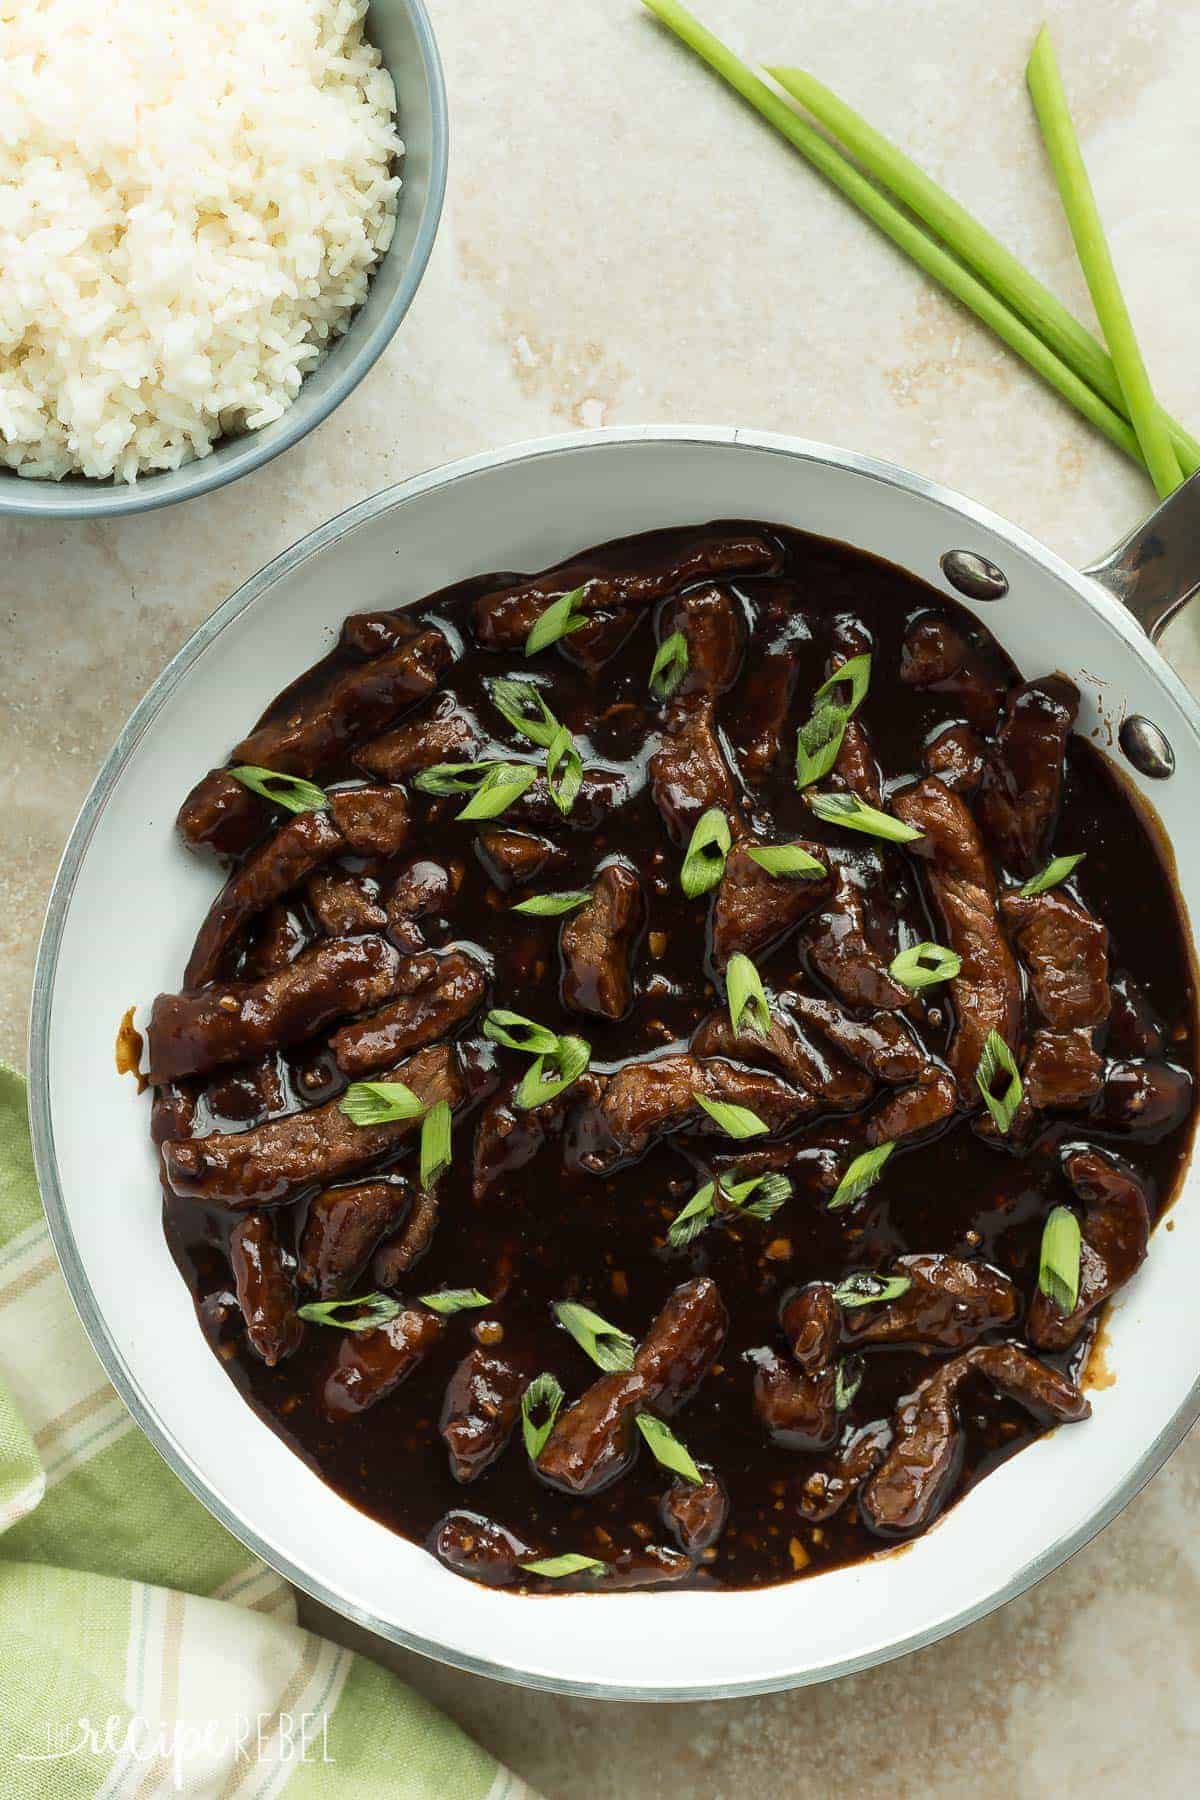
point(193, 194)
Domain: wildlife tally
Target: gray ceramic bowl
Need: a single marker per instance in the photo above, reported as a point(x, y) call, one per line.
point(404, 35)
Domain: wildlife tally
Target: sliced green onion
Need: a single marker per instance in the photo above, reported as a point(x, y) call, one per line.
point(609, 1348)
point(1056, 870)
point(701, 1209)
point(847, 1380)
point(870, 1290)
point(856, 815)
point(288, 791)
point(505, 783)
point(380, 1102)
point(818, 742)
point(997, 1059)
point(735, 1121)
point(704, 861)
point(522, 705)
point(857, 671)
point(924, 965)
point(553, 1073)
point(668, 1452)
point(786, 859)
point(454, 777)
point(775, 1189)
point(693, 1218)
point(560, 618)
point(436, 1129)
point(669, 667)
point(516, 1032)
point(454, 1300)
point(543, 1396)
point(550, 906)
point(1062, 1250)
point(746, 995)
point(554, 1567)
point(564, 770)
point(862, 1174)
point(363, 1314)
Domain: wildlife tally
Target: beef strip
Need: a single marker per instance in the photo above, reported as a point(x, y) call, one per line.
point(915, 1112)
point(342, 1227)
point(650, 1099)
point(711, 625)
point(442, 733)
point(856, 771)
point(344, 905)
point(639, 1566)
point(688, 772)
point(593, 1442)
point(881, 1043)
point(481, 1406)
point(797, 1399)
point(221, 816)
point(758, 728)
point(264, 1289)
point(275, 1161)
point(1062, 1071)
point(1023, 778)
point(1065, 951)
point(915, 1480)
point(753, 910)
point(480, 1549)
point(402, 1252)
point(515, 858)
point(371, 1364)
point(192, 1033)
point(826, 1491)
point(937, 655)
point(172, 1112)
point(1150, 1098)
point(300, 845)
point(842, 947)
point(695, 1514)
point(950, 1304)
point(811, 1323)
point(1115, 1232)
point(455, 987)
point(358, 703)
point(277, 940)
point(596, 944)
point(839, 1085)
point(987, 991)
point(422, 889)
point(249, 1094)
point(373, 820)
point(504, 619)
point(367, 635)
point(955, 754)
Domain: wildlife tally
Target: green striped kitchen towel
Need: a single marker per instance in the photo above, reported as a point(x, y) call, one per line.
point(144, 1651)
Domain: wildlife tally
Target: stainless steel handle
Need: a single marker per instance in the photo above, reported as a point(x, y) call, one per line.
point(1156, 569)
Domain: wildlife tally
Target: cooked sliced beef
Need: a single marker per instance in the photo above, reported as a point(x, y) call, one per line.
point(238, 1020)
point(633, 579)
point(222, 817)
point(593, 1442)
point(344, 905)
point(856, 771)
point(826, 1491)
point(597, 944)
point(1134, 1028)
point(916, 1111)
point(1115, 1232)
point(357, 704)
point(275, 1161)
point(759, 727)
point(249, 1094)
point(371, 1364)
point(373, 820)
point(987, 991)
point(649, 1099)
point(515, 858)
point(689, 773)
point(172, 1111)
point(696, 1514)
point(1023, 779)
point(754, 910)
point(799, 1411)
point(881, 1043)
point(274, 869)
point(950, 1304)
point(456, 987)
point(1065, 951)
point(342, 1227)
point(915, 1480)
point(402, 1252)
point(955, 755)
point(840, 1086)
point(938, 656)
point(481, 1406)
point(423, 889)
point(711, 624)
point(507, 1137)
point(1062, 1071)
point(843, 948)
point(811, 1323)
point(442, 733)
point(480, 1549)
point(277, 939)
point(264, 1289)
point(1150, 1098)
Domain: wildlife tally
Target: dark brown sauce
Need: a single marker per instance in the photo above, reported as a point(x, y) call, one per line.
point(550, 1233)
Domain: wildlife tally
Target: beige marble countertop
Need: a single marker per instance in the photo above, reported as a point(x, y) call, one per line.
point(623, 243)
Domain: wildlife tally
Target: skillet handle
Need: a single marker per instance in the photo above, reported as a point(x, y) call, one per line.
point(1156, 569)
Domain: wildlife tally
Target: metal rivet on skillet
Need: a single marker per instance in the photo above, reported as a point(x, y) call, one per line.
point(974, 575)
point(1147, 747)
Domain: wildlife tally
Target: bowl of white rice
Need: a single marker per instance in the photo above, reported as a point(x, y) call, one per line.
point(214, 215)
